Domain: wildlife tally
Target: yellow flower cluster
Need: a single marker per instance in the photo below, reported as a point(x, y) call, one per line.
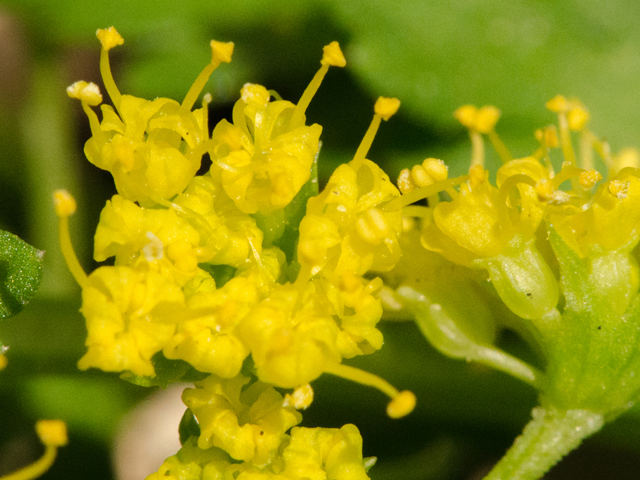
point(198, 275)
point(498, 228)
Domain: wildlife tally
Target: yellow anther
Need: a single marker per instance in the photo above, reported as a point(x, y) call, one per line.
point(386, 107)
point(403, 404)
point(548, 136)
point(619, 188)
point(53, 433)
point(589, 178)
point(333, 56)
point(221, 52)
point(405, 181)
point(88, 93)
point(467, 115)
point(557, 104)
point(478, 175)
point(436, 168)
point(109, 38)
point(3, 361)
point(300, 398)
point(486, 119)
point(254, 94)
point(577, 117)
point(64, 203)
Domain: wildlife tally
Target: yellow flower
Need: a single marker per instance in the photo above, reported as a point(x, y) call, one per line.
point(265, 157)
point(129, 318)
point(292, 335)
point(345, 230)
point(248, 423)
point(228, 235)
point(193, 463)
point(152, 148)
point(157, 236)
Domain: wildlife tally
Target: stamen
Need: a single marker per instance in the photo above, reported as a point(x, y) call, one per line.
point(220, 52)
point(503, 194)
point(420, 193)
point(383, 109)
point(402, 403)
point(53, 434)
point(332, 56)
point(300, 398)
point(589, 178)
point(109, 38)
point(89, 96)
point(65, 206)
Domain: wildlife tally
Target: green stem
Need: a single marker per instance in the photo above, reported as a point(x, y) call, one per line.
point(548, 437)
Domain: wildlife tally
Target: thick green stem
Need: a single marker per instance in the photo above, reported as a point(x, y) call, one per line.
point(548, 437)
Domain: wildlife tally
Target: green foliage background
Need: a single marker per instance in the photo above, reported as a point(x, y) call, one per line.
point(433, 56)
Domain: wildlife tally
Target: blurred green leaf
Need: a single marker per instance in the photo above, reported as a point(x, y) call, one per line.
point(20, 273)
point(436, 56)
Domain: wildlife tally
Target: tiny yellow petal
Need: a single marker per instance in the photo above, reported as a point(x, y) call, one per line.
point(109, 38)
point(403, 404)
point(386, 107)
point(333, 56)
point(64, 203)
point(88, 93)
point(221, 51)
point(52, 432)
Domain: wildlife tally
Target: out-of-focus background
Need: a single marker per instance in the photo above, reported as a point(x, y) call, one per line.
point(433, 56)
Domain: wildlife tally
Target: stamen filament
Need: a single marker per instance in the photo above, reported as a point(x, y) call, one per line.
point(568, 172)
point(367, 140)
point(423, 192)
point(193, 93)
point(503, 193)
point(477, 146)
point(402, 403)
point(65, 206)
point(586, 150)
point(298, 113)
point(107, 78)
point(499, 146)
point(94, 123)
point(36, 469)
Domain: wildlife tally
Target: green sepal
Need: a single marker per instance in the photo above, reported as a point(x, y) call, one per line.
point(167, 372)
point(458, 323)
point(281, 228)
point(523, 280)
point(189, 427)
point(594, 358)
point(20, 273)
